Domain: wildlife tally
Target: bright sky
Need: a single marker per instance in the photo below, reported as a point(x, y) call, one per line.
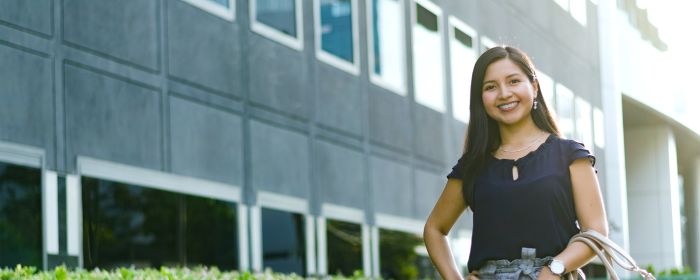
point(678, 22)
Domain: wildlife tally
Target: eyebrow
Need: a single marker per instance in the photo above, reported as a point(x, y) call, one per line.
point(511, 75)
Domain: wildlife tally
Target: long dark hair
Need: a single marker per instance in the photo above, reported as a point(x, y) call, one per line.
point(483, 136)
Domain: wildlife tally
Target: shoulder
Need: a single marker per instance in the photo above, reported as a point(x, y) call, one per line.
point(571, 150)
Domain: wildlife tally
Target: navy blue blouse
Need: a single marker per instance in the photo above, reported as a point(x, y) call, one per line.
point(534, 211)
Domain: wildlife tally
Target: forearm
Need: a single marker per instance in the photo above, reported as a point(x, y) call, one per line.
point(441, 255)
point(575, 255)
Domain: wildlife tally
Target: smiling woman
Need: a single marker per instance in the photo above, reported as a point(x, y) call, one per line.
point(529, 188)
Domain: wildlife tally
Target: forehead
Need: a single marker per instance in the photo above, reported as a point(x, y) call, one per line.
point(501, 69)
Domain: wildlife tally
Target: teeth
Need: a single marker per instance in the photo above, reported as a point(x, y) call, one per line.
point(508, 105)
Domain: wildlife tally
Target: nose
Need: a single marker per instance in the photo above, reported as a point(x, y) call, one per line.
point(504, 92)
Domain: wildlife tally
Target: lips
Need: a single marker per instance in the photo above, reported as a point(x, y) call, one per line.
point(508, 106)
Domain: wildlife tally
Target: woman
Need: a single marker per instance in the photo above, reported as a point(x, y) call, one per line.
point(530, 190)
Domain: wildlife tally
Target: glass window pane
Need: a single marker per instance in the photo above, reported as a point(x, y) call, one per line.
point(388, 41)
point(398, 256)
point(578, 11)
point(336, 28)
point(20, 216)
point(278, 14)
point(224, 3)
point(344, 241)
point(565, 110)
point(599, 128)
point(128, 225)
point(427, 60)
point(283, 241)
point(462, 63)
point(211, 232)
point(547, 88)
point(584, 126)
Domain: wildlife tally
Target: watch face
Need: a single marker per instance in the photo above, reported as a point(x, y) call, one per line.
point(556, 267)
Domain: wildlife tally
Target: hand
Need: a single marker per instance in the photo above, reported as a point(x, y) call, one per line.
point(472, 276)
point(546, 274)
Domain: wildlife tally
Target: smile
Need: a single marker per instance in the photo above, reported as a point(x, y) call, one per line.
point(508, 106)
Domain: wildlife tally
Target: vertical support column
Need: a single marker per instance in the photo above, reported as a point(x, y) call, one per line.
point(614, 184)
point(692, 208)
point(654, 195)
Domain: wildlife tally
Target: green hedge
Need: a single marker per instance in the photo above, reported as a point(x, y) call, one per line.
point(61, 273)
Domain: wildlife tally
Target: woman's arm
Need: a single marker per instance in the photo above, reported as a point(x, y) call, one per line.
point(590, 212)
point(448, 208)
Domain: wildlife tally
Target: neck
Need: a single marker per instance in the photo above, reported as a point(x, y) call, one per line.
point(520, 133)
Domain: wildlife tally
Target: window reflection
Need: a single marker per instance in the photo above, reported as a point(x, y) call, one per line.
point(388, 43)
point(462, 62)
point(283, 241)
point(20, 216)
point(336, 28)
point(278, 14)
point(344, 242)
point(398, 256)
point(427, 60)
point(128, 225)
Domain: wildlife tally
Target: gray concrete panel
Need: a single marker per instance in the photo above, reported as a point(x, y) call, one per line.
point(280, 160)
point(391, 184)
point(339, 100)
point(279, 77)
point(125, 30)
point(427, 191)
point(429, 133)
point(389, 119)
point(26, 98)
point(341, 175)
point(111, 119)
point(203, 49)
point(32, 15)
point(206, 142)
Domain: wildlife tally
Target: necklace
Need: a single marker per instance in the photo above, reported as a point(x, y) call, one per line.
point(524, 148)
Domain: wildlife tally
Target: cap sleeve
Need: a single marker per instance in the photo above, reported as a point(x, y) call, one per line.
point(458, 170)
point(577, 150)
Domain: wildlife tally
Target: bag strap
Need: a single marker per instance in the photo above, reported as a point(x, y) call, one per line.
point(610, 253)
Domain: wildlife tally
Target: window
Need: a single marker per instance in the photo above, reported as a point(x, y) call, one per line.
point(283, 241)
point(279, 20)
point(225, 9)
point(564, 4)
point(584, 126)
point(547, 88)
point(462, 59)
point(125, 224)
point(283, 238)
point(427, 56)
point(402, 255)
point(599, 128)
point(343, 241)
point(578, 11)
point(486, 44)
point(565, 110)
point(336, 34)
point(20, 216)
point(387, 55)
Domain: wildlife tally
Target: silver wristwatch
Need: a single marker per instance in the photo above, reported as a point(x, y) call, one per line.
point(557, 267)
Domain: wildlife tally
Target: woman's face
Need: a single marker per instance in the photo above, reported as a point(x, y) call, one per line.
point(507, 93)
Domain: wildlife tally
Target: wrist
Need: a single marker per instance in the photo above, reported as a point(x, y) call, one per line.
point(556, 267)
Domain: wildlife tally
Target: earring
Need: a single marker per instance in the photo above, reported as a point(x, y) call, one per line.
point(534, 106)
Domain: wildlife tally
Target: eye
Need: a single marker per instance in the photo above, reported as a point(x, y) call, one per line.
point(514, 81)
point(489, 87)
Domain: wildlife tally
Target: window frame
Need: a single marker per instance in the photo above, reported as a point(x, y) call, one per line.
point(273, 34)
point(152, 179)
point(374, 78)
point(209, 6)
point(345, 214)
point(283, 203)
point(452, 23)
point(437, 11)
point(329, 58)
point(32, 157)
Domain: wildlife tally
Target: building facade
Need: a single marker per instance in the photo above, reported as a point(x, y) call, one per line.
point(307, 136)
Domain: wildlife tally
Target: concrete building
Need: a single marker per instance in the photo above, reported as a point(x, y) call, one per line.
point(307, 136)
